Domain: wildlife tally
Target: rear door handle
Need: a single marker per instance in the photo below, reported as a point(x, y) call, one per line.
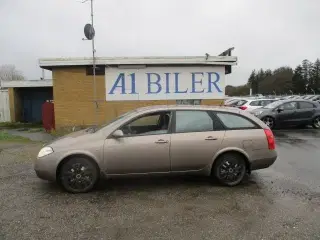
point(211, 138)
point(161, 141)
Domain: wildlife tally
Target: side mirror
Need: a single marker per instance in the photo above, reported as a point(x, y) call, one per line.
point(279, 110)
point(117, 134)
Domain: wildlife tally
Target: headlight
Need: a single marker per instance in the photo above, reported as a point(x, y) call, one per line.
point(257, 113)
point(45, 151)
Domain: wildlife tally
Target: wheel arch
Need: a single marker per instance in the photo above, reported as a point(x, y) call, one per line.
point(72, 155)
point(238, 151)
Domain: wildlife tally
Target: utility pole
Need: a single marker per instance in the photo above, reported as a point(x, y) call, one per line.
point(90, 35)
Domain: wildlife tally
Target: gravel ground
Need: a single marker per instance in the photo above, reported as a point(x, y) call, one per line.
point(282, 202)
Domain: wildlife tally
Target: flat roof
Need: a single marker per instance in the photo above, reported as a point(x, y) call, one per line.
point(49, 63)
point(26, 83)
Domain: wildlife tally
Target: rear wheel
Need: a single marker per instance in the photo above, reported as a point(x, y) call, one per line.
point(269, 121)
point(230, 169)
point(78, 175)
point(316, 122)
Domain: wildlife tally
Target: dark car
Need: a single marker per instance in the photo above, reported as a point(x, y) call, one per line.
point(293, 112)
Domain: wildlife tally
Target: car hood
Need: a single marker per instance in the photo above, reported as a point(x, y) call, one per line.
point(260, 110)
point(72, 138)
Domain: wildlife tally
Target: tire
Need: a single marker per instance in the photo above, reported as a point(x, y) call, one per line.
point(316, 122)
point(230, 169)
point(78, 175)
point(269, 121)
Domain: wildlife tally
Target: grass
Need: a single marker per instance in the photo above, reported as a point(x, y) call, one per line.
point(4, 136)
point(15, 125)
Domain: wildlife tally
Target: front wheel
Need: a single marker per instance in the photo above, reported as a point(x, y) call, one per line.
point(230, 169)
point(78, 175)
point(269, 121)
point(316, 122)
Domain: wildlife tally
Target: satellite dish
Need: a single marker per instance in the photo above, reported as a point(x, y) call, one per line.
point(89, 31)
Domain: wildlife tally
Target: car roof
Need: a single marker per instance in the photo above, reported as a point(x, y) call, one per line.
point(188, 107)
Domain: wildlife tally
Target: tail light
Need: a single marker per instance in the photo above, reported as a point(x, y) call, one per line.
point(243, 107)
point(270, 139)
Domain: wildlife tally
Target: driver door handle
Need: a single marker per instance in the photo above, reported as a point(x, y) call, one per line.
point(162, 141)
point(211, 138)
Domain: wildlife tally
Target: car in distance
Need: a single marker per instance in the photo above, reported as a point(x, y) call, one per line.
point(224, 143)
point(295, 112)
point(251, 104)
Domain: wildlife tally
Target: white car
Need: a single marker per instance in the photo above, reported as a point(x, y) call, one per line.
point(252, 104)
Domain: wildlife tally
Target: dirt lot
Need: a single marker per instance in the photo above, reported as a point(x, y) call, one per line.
point(282, 202)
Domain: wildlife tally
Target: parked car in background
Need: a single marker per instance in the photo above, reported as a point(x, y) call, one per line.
point(294, 112)
point(223, 143)
point(251, 104)
point(315, 98)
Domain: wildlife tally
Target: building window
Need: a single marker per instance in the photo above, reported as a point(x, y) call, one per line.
point(189, 102)
point(100, 70)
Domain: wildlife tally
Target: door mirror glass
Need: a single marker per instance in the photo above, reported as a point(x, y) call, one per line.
point(280, 109)
point(118, 134)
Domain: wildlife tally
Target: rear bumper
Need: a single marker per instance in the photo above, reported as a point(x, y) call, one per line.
point(263, 163)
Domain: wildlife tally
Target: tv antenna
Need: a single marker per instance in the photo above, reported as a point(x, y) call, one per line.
point(89, 33)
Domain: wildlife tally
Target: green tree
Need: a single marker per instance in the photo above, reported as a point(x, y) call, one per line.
point(298, 80)
point(315, 76)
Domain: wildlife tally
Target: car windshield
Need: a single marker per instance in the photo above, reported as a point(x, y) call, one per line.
point(115, 119)
point(273, 105)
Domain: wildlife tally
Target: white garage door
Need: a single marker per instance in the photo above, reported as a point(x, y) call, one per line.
point(4, 106)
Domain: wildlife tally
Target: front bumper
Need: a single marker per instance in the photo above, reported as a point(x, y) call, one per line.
point(45, 168)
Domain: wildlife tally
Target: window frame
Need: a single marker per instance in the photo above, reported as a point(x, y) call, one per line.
point(213, 118)
point(297, 106)
point(169, 131)
point(257, 126)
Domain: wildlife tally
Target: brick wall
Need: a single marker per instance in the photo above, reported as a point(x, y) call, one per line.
point(73, 99)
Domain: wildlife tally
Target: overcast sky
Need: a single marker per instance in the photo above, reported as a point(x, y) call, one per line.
point(265, 33)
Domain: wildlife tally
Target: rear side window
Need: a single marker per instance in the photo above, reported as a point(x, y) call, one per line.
point(193, 121)
point(304, 105)
point(232, 121)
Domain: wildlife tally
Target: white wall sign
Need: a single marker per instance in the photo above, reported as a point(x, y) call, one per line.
point(165, 83)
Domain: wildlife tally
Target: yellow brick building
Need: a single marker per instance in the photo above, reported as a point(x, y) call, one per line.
point(77, 103)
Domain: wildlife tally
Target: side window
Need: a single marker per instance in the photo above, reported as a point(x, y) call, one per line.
point(150, 124)
point(305, 105)
point(193, 121)
point(289, 106)
point(232, 121)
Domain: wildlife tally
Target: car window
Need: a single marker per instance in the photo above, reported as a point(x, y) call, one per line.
point(150, 124)
point(304, 105)
point(193, 121)
point(289, 106)
point(232, 121)
point(255, 103)
point(147, 120)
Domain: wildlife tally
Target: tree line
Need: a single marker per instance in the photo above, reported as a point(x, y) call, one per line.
point(304, 79)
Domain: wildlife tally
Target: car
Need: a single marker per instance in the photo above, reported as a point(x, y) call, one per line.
point(251, 104)
point(223, 143)
point(296, 112)
point(315, 98)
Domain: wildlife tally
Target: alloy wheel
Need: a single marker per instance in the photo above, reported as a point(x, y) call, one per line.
point(268, 121)
point(316, 122)
point(78, 176)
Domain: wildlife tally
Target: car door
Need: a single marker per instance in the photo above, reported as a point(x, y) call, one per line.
point(144, 148)
point(305, 111)
point(287, 112)
point(195, 138)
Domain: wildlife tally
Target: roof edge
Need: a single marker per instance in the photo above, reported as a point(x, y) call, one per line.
point(48, 63)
